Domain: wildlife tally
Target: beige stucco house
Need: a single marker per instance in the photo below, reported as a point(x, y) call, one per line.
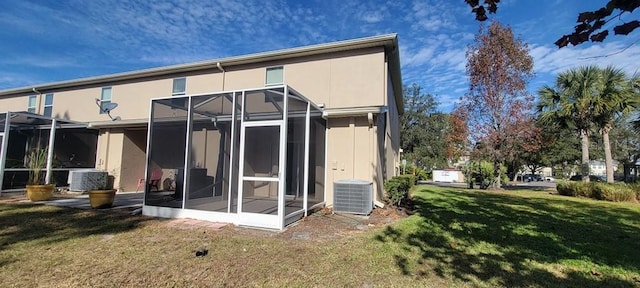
point(281, 125)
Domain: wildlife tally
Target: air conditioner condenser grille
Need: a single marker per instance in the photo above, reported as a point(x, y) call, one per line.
point(85, 180)
point(353, 196)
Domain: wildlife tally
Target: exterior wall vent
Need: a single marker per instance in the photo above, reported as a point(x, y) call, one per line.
point(353, 196)
point(85, 180)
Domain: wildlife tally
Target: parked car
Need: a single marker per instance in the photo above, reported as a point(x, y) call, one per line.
point(532, 177)
point(592, 178)
point(549, 179)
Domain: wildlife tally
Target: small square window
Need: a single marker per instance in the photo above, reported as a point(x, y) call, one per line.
point(31, 105)
point(105, 99)
point(275, 76)
point(179, 86)
point(48, 105)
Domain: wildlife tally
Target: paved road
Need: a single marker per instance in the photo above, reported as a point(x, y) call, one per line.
point(511, 185)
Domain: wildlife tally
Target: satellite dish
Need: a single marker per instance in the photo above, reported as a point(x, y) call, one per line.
point(107, 108)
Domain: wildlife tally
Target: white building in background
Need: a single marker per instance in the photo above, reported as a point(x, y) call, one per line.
point(598, 167)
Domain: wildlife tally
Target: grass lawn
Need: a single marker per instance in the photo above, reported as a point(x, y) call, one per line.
point(456, 238)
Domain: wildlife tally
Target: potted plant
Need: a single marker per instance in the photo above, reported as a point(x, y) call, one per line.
point(104, 194)
point(37, 189)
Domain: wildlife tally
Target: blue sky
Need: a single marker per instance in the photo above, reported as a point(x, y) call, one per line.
point(47, 41)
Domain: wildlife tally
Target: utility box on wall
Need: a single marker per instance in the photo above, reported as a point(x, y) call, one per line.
point(353, 196)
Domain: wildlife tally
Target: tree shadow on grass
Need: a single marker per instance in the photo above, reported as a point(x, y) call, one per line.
point(516, 241)
point(47, 224)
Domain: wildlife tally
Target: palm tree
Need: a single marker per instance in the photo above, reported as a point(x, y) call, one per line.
point(569, 104)
point(634, 85)
point(614, 98)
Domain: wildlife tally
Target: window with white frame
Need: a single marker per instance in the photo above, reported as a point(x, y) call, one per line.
point(179, 86)
point(48, 104)
point(31, 105)
point(105, 99)
point(274, 76)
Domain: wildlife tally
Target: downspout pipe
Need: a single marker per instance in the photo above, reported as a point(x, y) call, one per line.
point(223, 72)
point(38, 99)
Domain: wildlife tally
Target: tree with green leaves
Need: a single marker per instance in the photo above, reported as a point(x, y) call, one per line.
point(615, 99)
point(634, 85)
point(568, 105)
point(588, 98)
point(498, 107)
point(561, 149)
point(424, 129)
point(625, 146)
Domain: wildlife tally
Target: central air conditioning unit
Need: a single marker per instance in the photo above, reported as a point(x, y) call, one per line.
point(85, 180)
point(353, 196)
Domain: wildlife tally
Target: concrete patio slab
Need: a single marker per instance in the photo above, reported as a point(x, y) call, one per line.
point(124, 200)
point(129, 200)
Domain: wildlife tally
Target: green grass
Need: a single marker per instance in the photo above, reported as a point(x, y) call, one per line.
point(518, 238)
point(459, 238)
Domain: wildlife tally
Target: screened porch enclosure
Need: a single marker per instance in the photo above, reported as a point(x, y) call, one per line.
point(250, 157)
point(68, 145)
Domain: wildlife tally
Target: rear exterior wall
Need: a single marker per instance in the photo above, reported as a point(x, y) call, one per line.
point(347, 79)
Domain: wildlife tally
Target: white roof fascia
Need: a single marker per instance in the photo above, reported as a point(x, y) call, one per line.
point(350, 112)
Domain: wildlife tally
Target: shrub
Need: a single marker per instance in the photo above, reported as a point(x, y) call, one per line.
point(420, 173)
point(613, 192)
point(565, 188)
point(411, 180)
point(636, 188)
point(598, 190)
point(397, 188)
point(482, 173)
point(576, 189)
point(423, 175)
point(582, 189)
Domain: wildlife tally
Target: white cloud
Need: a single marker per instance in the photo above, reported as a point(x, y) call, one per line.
point(432, 15)
point(12, 80)
point(49, 61)
point(372, 17)
point(423, 55)
point(552, 60)
point(453, 59)
point(112, 36)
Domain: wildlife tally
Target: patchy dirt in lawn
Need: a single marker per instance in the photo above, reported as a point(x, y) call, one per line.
point(12, 197)
point(326, 225)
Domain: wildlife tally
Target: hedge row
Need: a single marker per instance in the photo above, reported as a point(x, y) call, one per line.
point(616, 192)
point(398, 187)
